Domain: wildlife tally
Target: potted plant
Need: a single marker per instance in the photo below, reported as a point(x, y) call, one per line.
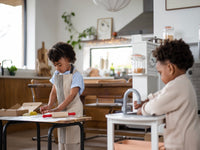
point(12, 70)
point(87, 34)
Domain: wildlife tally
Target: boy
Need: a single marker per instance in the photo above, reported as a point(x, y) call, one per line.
point(177, 100)
point(68, 85)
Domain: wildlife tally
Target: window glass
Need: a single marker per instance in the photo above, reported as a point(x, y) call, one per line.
point(11, 32)
point(118, 58)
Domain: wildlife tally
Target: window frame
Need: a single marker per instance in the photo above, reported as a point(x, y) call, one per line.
point(105, 47)
point(23, 3)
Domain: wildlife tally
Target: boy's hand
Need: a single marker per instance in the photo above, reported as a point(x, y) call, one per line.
point(139, 111)
point(44, 109)
point(136, 106)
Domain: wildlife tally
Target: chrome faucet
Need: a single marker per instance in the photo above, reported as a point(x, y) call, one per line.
point(2, 69)
point(124, 106)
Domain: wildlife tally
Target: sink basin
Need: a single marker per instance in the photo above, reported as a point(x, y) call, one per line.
point(131, 113)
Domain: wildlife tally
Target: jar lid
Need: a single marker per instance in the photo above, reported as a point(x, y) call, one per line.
point(168, 27)
point(138, 57)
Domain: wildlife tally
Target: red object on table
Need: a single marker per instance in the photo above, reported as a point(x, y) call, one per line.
point(50, 115)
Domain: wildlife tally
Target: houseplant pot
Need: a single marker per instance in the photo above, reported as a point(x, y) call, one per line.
point(12, 70)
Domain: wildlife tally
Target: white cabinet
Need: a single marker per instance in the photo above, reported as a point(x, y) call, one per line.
point(148, 82)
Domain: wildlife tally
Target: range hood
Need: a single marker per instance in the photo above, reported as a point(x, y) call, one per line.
point(143, 24)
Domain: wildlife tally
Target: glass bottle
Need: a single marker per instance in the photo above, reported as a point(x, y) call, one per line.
point(112, 70)
point(168, 33)
point(138, 62)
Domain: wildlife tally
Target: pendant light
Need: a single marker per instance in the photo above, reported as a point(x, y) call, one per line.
point(112, 5)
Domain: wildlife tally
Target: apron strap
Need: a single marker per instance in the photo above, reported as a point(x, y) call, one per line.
point(72, 68)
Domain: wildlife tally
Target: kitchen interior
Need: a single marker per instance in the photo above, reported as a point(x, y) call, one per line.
point(112, 61)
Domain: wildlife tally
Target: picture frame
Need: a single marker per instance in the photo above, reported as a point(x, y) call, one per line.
point(181, 4)
point(104, 28)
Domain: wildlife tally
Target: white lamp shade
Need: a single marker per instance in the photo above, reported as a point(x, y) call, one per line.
point(112, 5)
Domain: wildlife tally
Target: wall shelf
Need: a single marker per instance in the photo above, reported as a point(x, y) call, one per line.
point(142, 75)
point(120, 40)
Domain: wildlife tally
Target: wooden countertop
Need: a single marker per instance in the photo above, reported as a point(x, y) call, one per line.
point(105, 84)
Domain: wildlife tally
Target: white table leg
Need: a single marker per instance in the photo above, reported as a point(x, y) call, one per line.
point(110, 135)
point(154, 136)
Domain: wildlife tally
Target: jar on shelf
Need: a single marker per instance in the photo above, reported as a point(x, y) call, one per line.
point(138, 64)
point(168, 33)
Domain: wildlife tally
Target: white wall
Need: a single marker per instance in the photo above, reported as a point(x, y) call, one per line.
point(87, 14)
point(42, 26)
point(31, 34)
point(51, 28)
point(46, 22)
point(185, 21)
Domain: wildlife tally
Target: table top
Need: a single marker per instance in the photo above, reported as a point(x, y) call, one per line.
point(39, 118)
point(133, 117)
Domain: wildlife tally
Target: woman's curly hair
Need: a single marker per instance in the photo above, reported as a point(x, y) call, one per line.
point(177, 52)
point(62, 49)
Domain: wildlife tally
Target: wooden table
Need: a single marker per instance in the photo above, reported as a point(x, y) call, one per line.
point(56, 123)
point(119, 118)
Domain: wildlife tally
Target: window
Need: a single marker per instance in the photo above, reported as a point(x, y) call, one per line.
point(105, 57)
point(12, 27)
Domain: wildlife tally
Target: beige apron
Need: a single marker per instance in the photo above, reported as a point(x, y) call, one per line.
point(68, 135)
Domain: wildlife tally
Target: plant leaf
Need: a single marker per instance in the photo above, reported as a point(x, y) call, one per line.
point(72, 13)
point(79, 46)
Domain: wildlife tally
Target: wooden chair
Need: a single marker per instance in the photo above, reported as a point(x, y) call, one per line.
point(41, 94)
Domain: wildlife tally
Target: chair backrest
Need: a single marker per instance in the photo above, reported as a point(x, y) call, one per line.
point(41, 94)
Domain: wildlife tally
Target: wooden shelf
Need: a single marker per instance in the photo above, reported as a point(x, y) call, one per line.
point(108, 41)
point(142, 75)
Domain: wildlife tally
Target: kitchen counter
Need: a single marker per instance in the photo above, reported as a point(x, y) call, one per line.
point(23, 77)
point(39, 77)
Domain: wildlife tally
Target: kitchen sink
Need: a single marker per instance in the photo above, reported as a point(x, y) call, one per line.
point(131, 113)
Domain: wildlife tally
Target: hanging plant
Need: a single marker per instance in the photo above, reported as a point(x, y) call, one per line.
point(76, 40)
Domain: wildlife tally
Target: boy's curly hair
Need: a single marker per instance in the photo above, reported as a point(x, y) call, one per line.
point(177, 52)
point(62, 49)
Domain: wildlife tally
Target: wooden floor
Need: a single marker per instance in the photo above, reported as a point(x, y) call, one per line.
point(23, 141)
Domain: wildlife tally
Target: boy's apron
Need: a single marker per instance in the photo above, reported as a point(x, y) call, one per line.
point(68, 135)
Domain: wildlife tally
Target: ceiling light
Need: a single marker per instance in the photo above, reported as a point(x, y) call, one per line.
point(112, 5)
